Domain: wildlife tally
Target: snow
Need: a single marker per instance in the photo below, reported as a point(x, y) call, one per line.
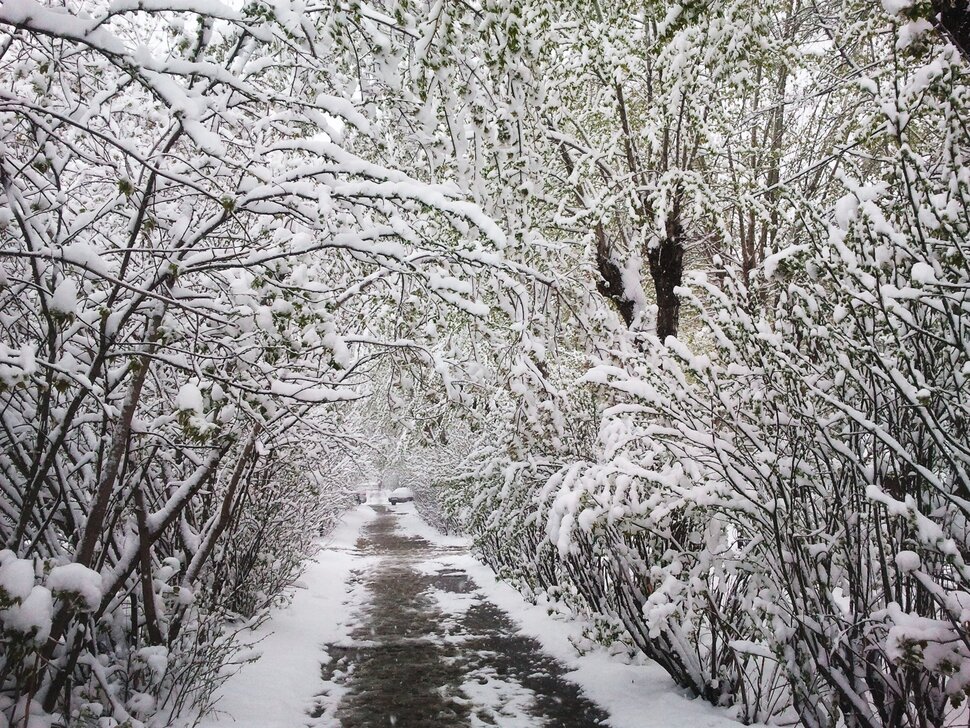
point(189, 398)
point(64, 298)
point(32, 616)
point(59, 22)
point(923, 273)
point(304, 392)
point(209, 7)
point(909, 32)
point(86, 256)
point(450, 602)
point(277, 690)
point(505, 703)
point(78, 580)
point(907, 560)
point(772, 261)
point(16, 576)
point(141, 703)
point(845, 210)
point(37, 717)
point(156, 659)
point(895, 7)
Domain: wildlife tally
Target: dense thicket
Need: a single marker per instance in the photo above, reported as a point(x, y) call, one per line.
point(774, 507)
point(666, 304)
point(198, 269)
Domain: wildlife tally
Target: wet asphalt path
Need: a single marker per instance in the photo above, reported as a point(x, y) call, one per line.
point(431, 650)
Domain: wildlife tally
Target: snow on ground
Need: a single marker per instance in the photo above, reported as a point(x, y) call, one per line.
point(277, 691)
point(285, 685)
point(506, 702)
point(635, 696)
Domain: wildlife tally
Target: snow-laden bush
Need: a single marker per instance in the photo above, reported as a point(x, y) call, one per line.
point(202, 249)
point(776, 512)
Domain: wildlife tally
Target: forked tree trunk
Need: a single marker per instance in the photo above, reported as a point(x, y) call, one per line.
point(92, 533)
point(221, 519)
point(610, 285)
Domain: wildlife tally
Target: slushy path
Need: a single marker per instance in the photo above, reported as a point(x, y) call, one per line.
point(432, 651)
point(397, 625)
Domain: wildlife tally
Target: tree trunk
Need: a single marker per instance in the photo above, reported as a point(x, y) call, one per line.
point(146, 577)
point(221, 520)
point(953, 18)
point(667, 270)
point(610, 285)
point(119, 444)
point(92, 533)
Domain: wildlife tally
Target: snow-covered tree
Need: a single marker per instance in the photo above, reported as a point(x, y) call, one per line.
point(202, 256)
point(774, 508)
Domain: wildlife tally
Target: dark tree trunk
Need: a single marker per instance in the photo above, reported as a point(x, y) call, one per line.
point(667, 270)
point(610, 285)
point(954, 21)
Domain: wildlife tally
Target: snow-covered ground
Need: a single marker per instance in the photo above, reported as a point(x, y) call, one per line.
point(285, 686)
point(277, 691)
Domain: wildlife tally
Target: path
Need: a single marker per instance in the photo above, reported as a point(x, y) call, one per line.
point(432, 651)
point(399, 626)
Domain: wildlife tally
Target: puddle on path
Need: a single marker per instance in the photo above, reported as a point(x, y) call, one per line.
point(430, 651)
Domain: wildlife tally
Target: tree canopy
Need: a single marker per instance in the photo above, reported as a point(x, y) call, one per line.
point(665, 304)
